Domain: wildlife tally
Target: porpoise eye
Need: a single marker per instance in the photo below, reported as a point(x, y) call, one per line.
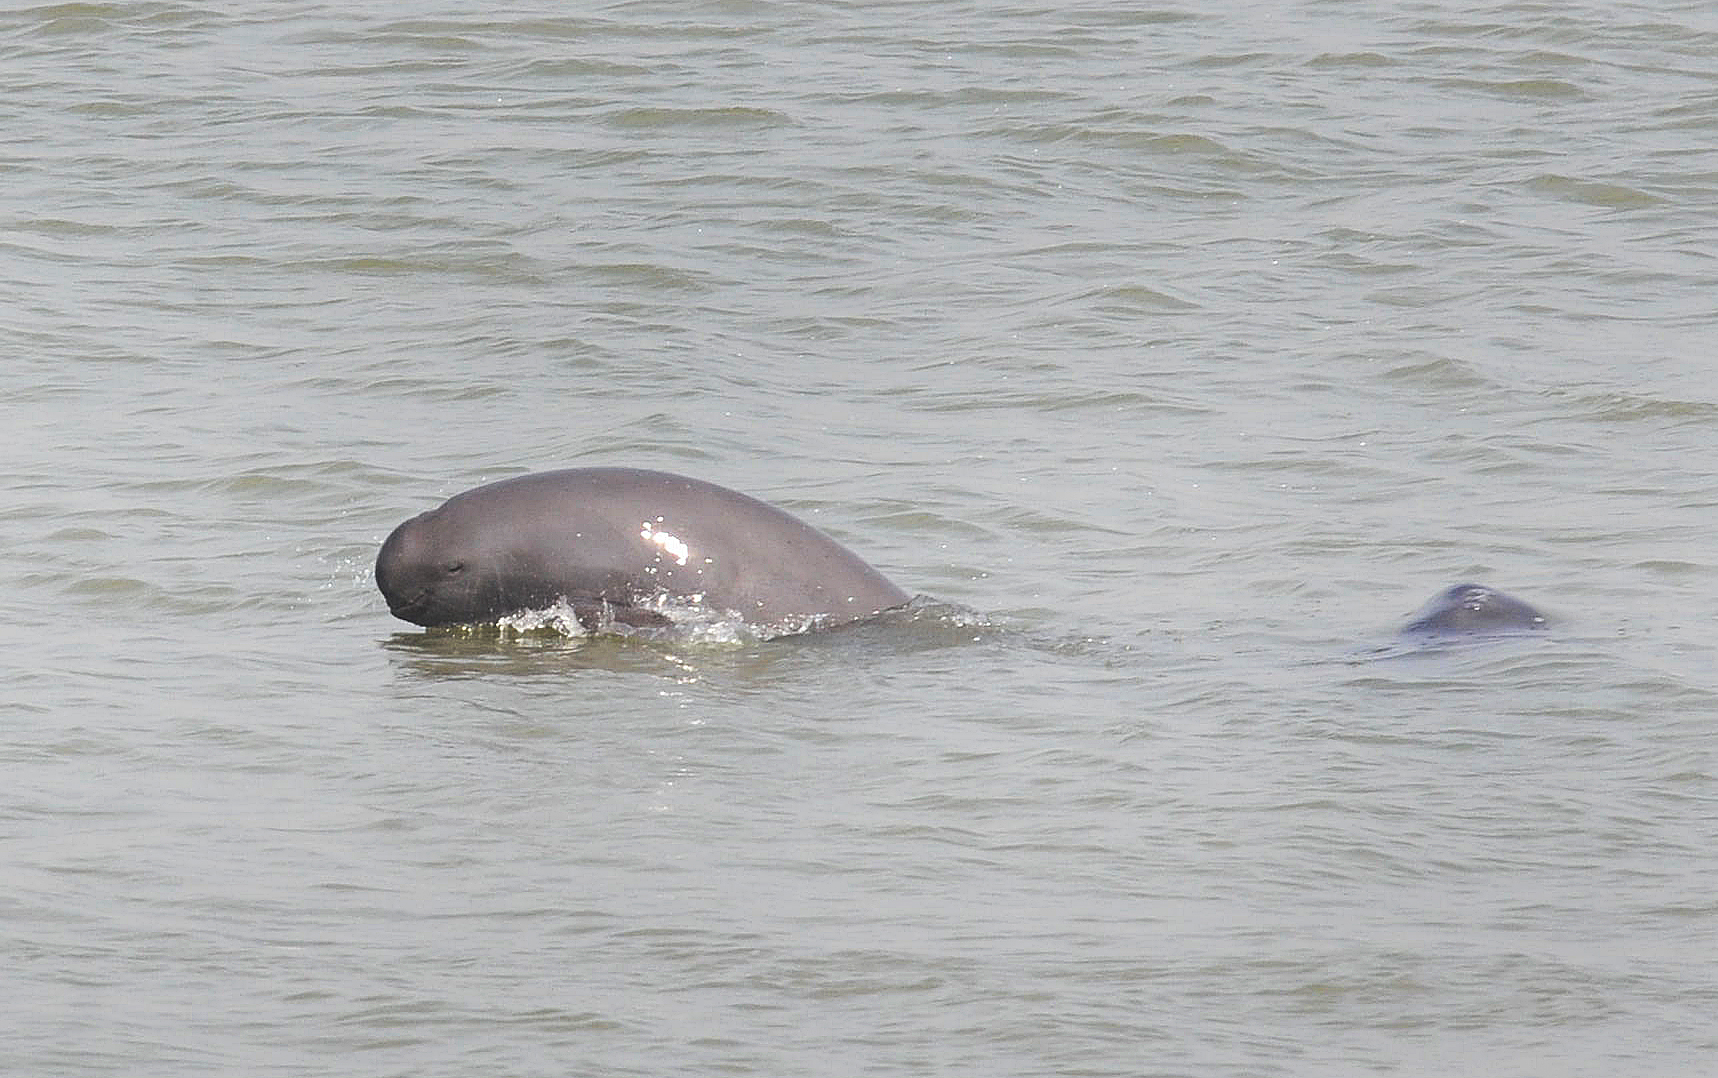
point(453, 568)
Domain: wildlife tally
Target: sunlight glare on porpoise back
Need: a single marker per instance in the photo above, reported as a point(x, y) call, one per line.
point(669, 543)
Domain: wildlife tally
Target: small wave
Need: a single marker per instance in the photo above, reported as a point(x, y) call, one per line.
point(682, 619)
point(558, 619)
point(688, 619)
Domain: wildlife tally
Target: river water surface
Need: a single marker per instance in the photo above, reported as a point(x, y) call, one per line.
point(1173, 357)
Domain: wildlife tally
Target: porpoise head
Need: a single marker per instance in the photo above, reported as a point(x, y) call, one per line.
point(486, 553)
point(424, 575)
point(434, 570)
point(1474, 609)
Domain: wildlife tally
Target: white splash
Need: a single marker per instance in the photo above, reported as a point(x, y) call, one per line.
point(560, 618)
point(671, 544)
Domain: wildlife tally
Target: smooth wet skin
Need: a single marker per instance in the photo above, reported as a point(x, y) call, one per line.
point(609, 541)
point(1473, 609)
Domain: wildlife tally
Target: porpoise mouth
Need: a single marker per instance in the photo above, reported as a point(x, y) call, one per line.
point(408, 607)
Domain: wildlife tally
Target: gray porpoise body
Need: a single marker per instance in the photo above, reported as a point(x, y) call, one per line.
point(1473, 609)
point(607, 540)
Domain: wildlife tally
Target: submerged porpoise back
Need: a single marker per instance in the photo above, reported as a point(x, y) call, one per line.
point(611, 540)
point(1473, 609)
